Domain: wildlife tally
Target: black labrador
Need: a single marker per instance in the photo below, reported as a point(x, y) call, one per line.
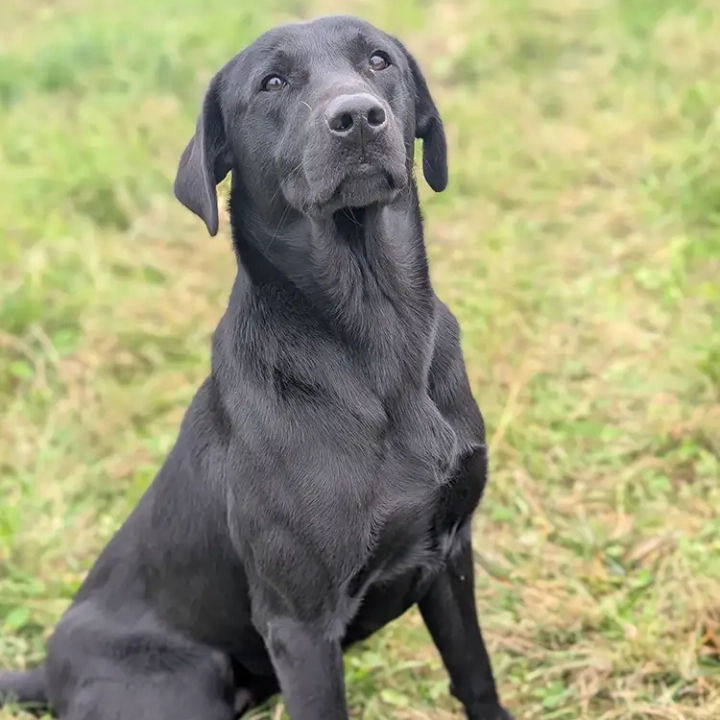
point(326, 473)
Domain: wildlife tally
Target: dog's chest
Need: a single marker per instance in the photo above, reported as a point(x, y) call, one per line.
point(416, 533)
point(426, 490)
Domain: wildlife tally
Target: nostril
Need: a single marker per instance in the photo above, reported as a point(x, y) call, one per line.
point(376, 116)
point(341, 122)
point(352, 117)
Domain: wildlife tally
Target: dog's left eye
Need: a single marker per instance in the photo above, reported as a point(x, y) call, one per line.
point(379, 61)
point(272, 83)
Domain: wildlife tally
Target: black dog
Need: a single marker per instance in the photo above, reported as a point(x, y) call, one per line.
point(326, 472)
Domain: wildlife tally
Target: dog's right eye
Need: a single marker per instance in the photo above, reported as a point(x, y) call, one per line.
point(379, 61)
point(272, 83)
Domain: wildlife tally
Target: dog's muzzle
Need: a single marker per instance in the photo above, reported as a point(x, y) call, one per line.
point(356, 156)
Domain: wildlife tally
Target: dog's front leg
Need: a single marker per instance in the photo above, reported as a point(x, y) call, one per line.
point(309, 666)
point(449, 612)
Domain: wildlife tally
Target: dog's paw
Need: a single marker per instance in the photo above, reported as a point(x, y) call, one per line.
point(503, 714)
point(489, 712)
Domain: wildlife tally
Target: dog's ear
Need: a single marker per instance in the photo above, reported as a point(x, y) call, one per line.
point(205, 161)
point(429, 128)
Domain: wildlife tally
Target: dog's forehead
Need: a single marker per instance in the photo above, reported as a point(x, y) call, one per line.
point(332, 34)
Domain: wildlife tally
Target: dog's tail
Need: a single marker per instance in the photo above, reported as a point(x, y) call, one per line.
point(25, 688)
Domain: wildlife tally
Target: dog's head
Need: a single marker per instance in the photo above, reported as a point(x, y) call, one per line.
point(321, 115)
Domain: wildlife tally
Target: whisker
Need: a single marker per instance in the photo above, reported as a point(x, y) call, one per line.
point(285, 179)
point(277, 228)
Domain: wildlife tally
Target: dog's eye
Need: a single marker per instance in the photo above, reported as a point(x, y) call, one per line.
point(379, 61)
point(272, 83)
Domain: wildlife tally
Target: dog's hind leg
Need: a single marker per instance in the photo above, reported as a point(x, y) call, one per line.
point(161, 696)
point(94, 674)
point(449, 612)
point(27, 689)
point(252, 691)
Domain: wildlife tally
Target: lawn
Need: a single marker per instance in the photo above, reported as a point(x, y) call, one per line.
point(578, 243)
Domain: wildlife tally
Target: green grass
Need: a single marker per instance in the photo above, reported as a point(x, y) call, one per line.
point(579, 244)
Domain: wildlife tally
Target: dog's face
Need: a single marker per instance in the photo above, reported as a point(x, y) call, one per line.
point(320, 115)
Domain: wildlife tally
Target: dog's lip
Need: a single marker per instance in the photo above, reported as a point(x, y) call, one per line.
point(371, 171)
point(367, 170)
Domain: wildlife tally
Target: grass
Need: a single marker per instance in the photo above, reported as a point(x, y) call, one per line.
point(579, 244)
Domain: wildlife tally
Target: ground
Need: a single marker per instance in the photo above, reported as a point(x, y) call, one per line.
point(579, 245)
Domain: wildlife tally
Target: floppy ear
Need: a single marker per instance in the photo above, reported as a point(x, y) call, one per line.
point(205, 162)
point(429, 128)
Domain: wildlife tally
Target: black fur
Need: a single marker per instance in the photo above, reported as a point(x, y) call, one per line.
point(326, 472)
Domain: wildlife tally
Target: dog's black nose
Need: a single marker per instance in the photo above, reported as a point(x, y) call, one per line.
point(354, 116)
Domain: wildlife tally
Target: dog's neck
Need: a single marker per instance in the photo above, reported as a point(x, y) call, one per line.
point(340, 263)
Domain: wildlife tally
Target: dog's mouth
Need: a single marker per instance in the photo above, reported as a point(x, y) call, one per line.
point(364, 184)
